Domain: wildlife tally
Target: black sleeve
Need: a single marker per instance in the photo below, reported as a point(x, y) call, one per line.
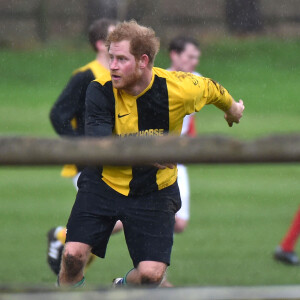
point(99, 110)
point(69, 103)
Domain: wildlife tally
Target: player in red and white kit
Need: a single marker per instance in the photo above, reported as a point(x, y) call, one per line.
point(285, 251)
point(184, 54)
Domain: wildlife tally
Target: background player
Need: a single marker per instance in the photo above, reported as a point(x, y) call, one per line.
point(285, 251)
point(68, 116)
point(184, 54)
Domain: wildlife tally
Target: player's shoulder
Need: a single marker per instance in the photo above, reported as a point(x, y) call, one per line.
point(83, 69)
point(102, 84)
point(171, 77)
point(177, 80)
point(167, 74)
point(174, 76)
point(94, 68)
point(104, 79)
point(161, 72)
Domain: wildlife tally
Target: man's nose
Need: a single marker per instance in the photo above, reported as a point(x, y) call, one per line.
point(113, 64)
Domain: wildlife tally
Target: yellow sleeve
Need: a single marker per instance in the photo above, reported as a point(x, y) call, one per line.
point(69, 171)
point(199, 91)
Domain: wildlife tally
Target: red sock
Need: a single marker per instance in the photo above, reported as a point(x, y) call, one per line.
point(290, 239)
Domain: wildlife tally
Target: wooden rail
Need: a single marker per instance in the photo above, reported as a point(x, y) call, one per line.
point(30, 151)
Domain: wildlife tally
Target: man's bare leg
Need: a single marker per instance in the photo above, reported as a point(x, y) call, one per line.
point(146, 273)
point(74, 259)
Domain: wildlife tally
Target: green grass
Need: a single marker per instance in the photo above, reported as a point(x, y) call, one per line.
point(238, 213)
point(30, 84)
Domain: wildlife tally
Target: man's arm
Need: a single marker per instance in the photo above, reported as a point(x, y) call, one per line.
point(223, 100)
point(100, 111)
point(69, 103)
point(207, 91)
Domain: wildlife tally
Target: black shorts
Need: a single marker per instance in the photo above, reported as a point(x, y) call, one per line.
point(148, 220)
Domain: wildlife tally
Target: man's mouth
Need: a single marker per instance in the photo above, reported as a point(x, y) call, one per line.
point(115, 77)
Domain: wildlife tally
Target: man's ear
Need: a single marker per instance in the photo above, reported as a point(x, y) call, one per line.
point(173, 55)
point(100, 45)
point(144, 61)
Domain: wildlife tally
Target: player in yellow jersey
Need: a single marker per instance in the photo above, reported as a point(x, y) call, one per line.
point(136, 100)
point(67, 117)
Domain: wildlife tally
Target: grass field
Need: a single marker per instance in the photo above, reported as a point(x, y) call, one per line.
point(238, 213)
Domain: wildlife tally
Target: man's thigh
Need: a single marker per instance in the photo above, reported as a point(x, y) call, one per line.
point(149, 225)
point(77, 249)
point(92, 217)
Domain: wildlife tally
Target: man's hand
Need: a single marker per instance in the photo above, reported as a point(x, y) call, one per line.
point(164, 166)
point(234, 113)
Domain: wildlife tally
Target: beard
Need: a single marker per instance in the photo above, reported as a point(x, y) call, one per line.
point(127, 81)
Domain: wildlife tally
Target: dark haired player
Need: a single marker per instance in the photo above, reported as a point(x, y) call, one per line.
point(68, 116)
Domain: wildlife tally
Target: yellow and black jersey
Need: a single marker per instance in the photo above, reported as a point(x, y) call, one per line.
point(68, 112)
point(157, 111)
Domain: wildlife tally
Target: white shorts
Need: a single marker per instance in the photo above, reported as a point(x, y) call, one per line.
point(184, 188)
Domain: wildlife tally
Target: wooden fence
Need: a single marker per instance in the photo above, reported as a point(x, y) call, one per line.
point(29, 151)
point(41, 20)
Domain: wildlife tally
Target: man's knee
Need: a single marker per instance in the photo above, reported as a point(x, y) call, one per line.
point(74, 258)
point(72, 264)
point(152, 273)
